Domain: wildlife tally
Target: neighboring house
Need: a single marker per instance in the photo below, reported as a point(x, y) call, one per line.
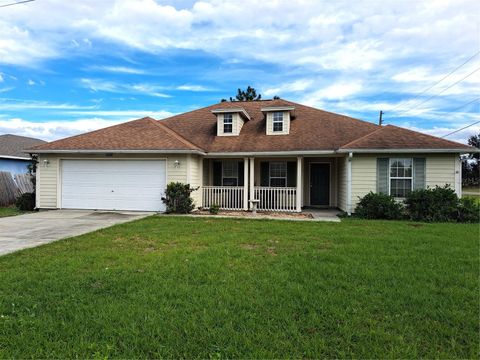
point(282, 155)
point(13, 158)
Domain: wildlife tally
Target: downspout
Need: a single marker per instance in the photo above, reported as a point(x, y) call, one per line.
point(349, 184)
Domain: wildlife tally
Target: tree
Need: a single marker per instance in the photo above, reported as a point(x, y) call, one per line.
point(471, 163)
point(248, 95)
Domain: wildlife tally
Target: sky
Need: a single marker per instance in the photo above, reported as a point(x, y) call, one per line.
point(68, 67)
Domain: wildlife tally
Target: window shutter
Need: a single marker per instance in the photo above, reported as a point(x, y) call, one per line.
point(217, 173)
point(264, 174)
point(419, 173)
point(291, 174)
point(382, 175)
point(241, 174)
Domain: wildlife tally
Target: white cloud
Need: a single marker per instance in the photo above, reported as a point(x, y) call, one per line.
point(195, 88)
point(18, 104)
point(31, 82)
point(295, 86)
point(336, 91)
point(97, 85)
point(119, 69)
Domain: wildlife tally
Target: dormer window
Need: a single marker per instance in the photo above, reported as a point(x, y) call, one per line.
point(227, 123)
point(278, 121)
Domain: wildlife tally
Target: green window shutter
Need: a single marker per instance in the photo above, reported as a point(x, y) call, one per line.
point(217, 173)
point(291, 174)
point(264, 174)
point(419, 173)
point(241, 175)
point(382, 175)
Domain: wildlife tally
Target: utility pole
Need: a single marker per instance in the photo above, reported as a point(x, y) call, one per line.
point(380, 120)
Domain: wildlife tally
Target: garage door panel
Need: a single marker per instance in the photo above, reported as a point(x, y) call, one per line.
point(113, 184)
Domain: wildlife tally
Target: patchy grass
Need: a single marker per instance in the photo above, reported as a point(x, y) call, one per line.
point(9, 211)
point(197, 287)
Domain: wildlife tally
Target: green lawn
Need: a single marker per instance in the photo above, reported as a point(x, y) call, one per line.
point(9, 211)
point(214, 288)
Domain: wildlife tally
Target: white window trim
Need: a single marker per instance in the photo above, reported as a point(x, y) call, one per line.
point(228, 123)
point(229, 177)
point(398, 178)
point(277, 177)
point(276, 121)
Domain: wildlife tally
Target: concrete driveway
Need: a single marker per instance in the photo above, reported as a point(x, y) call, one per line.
point(30, 230)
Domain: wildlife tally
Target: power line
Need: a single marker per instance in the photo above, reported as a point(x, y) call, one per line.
point(443, 78)
point(460, 107)
point(465, 127)
point(16, 3)
point(441, 92)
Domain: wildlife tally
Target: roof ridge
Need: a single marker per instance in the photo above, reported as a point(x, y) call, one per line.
point(175, 134)
point(362, 137)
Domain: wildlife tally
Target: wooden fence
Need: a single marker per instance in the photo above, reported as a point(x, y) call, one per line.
point(13, 186)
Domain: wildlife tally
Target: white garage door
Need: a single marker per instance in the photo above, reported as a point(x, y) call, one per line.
point(113, 184)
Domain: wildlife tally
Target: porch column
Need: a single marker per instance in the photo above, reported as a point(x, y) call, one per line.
point(299, 183)
point(252, 180)
point(245, 184)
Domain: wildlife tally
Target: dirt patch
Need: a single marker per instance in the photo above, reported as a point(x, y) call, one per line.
point(258, 215)
point(416, 225)
point(271, 251)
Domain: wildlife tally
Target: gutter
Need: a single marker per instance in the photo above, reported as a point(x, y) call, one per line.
point(14, 157)
point(272, 153)
point(378, 151)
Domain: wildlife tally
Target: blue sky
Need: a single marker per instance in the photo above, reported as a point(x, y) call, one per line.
point(71, 67)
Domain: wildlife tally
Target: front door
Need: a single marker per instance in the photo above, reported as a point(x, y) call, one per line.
point(319, 184)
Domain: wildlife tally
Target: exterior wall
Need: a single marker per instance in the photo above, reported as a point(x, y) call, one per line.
point(441, 169)
point(49, 179)
point(14, 166)
point(286, 124)
point(195, 173)
point(237, 124)
point(342, 183)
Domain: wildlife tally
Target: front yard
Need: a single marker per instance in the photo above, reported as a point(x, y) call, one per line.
point(197, 287)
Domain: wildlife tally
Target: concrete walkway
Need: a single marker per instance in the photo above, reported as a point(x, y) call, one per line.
point(30, 230)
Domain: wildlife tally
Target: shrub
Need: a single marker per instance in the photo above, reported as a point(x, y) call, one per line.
point(468, 210)
point(178, 199)
point(379, 206)
point(433, 204)
point(26, 202)
point(214, 209)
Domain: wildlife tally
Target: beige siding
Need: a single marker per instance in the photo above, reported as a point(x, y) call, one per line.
point(364, 176)
point(195, 164)
point(49, 176)
point(342, 183)
point(286, 124)
point(47, 182)
point(440, 170)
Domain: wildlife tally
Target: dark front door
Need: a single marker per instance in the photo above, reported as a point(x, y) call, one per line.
point(319, 184)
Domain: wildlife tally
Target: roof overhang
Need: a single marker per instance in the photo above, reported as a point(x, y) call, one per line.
point(397, 151)
point(271, 153)
point(239, 110)
point(15, 157)
point(277, 108)
point(117, 151)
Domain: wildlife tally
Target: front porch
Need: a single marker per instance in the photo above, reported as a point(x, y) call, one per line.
point(279, 184)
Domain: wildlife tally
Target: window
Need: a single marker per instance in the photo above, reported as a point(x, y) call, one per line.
point(278, 174)
point(278, 121)
point(401, 177)
point(227, 123)
point(230, 173)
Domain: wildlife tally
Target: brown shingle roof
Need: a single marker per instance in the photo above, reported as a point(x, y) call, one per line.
point(14, 145)
point(310, 129)
point(394, 137)
point(142, 134)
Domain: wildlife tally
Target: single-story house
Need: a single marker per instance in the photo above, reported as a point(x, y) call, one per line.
point(13, 158)
point(275, 154)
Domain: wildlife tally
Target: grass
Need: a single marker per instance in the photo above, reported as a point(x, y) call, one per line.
point(9, 211)
point(213, 288)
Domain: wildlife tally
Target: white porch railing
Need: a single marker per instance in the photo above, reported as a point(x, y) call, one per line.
point(227, 197)
point(276, 198)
